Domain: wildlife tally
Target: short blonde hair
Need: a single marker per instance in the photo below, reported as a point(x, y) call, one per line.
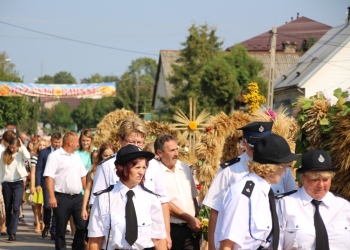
point(317, 174)
point(132, 124)
point(265, 169)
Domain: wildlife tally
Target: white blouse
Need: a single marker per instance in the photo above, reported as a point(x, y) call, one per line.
point(109, 209)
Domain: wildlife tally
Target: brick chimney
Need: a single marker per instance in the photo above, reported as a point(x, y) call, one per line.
point(289, 47)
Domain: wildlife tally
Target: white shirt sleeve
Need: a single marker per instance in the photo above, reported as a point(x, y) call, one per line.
point(159, 184)
point(217, 190)
point(51, 166)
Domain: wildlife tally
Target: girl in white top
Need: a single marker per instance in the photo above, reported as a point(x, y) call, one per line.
point(12, 175)
point(108, 215)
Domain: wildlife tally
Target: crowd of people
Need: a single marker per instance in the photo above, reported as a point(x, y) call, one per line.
point(144, 197)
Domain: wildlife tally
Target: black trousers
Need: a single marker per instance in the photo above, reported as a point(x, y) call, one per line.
point(47, 210)
point(69, 206)
point(183, 238)
point(13, 193)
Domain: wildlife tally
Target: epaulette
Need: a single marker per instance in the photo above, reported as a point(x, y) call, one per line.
point(280, 196)
point(112, 156)
point(229, 163)
point(109, 189)
point(149, 191)
point(248, 188)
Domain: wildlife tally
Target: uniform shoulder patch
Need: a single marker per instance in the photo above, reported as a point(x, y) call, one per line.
point(229, 163)
point(248, 188)
point(109, 189)
point(280, 196)
point(106, 159)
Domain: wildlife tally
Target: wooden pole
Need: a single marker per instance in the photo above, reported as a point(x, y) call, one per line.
point(272, 69)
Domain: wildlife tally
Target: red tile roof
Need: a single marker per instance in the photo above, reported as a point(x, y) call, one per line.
point(294, 31)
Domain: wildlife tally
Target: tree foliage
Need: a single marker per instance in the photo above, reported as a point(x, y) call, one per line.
point(143, 71)
point(63, 77)
point(83, 115)
point(45, 79)
point(61, 117)
point(97, 78)
point(201, 46)
point(215, 78)
point(103, 106)
point(17, 111)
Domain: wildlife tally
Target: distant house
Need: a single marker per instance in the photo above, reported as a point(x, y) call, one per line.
point(162, 87)
point(325, 67)
point(290, 38)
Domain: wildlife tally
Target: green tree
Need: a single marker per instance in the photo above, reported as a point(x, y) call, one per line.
point(45, 79)
point(215, 78)
point(30, 125)
point(17, 111)
point(97, 78)
point(45, 116)
point(83, 115)
point(103, 106)
point(61, 117)
point(201, 46)
point(63, 77)
point(143, 71)
point(218, 80)
point(13, 111)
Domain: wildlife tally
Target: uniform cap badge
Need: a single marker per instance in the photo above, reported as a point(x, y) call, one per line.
point(321, 159)
point(261, 129)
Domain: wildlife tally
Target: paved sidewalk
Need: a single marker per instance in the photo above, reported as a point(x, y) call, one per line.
point(27, 239)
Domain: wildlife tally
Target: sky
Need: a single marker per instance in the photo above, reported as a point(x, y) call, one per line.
point(86, 37)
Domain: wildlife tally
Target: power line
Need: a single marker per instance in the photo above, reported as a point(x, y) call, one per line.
point(78, 41)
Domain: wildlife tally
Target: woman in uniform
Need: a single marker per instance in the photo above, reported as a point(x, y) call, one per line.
point(314, 218)
point(247, 218)
point(139, 225)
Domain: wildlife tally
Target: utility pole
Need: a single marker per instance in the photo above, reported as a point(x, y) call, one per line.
point(272, 68)
point(137, 96)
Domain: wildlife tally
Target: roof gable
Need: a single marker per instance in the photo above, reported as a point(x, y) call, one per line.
point(315, 58)
point(295, 31)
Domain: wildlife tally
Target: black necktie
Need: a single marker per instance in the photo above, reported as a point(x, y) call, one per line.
point(275, 225)
point(130, 220)
point(321, 232)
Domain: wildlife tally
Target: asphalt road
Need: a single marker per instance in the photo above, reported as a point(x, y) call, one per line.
point(27, 239)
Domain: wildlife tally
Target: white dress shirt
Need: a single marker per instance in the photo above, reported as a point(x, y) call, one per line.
point(148, 211)
point(241, 218)
point(296, 216)
point(181, 188)
point(233, 173)
point(66, 170)
point(106, 175)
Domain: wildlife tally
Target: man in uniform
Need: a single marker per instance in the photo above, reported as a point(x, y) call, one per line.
point(182, 194)
point(233, 170)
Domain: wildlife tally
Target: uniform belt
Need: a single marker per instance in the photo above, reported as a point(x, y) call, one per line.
point(179, 224)
point(65, 194)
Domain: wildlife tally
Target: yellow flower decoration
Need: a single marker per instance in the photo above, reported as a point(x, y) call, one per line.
point(253, 98)
point(193, 125)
